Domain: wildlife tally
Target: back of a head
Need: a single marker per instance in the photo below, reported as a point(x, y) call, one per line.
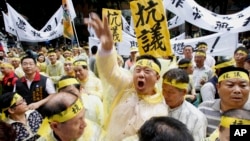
point(7, 133)
point(164, 129)
point(94, 50)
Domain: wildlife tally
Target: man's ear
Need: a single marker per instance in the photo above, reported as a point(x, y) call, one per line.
point(54, 125)
point(158, 77)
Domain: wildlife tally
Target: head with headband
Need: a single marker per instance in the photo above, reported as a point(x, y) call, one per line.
point(81, 69)
point(224, 62)
point(9, 101)
point(201, 46)
point(146, 74)
point(233, 87)
point(174, 86)
point(186, 64)
point(232, 117)
point(240, 55)
point(69, 83)
point(65, 112)
point(199, 58)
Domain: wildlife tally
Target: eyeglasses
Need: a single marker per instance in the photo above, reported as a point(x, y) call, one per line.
point(20, 102)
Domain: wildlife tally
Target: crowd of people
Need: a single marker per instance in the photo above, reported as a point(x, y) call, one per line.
point(76, 94)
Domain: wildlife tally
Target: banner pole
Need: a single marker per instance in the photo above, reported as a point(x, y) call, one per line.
point(73, 24)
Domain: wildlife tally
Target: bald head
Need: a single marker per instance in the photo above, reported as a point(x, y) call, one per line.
point(58, 103)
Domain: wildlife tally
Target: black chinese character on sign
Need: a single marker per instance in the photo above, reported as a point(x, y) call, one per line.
point(21, 24)
point(36, 34)
point(115, 33)
point(112, 18)
point(178, 3)
point(75, 108)
point(178, 47)
point(12, 29)
point(240, 15)
point(133, 44)
point(150, 11)
point(246, 22)
point(237, 122)
point(222, 25)
point(52, 33)
point(226, 18)
point(145, 40)
point(48, 28)
point(169, 23)
point(197, 13)
point(157, 38)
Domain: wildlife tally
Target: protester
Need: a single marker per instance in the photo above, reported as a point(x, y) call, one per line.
point(90, 83)
point(65, 112)
point(136, 97)
point(35, 88)
point(69, 67)
point(233, 90)
point(210, 61)
point(15, 62)
point(164, 129)
point(132, 58)
point(240, 55)
point(9, 77)
point(25, 122)
point(174, 86)
point(209, 89)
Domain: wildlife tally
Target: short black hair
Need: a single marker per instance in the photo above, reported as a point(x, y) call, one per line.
point(164, 129)
point(7, 132)
point(183, 61)
point(241, 48)
point(29, 55)
point(94, 49)
point(5, 100)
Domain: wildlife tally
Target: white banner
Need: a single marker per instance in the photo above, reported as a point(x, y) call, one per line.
point(179, 37)
point(219, 44)
point(190, 11)
point(26, 32)
point(174, 22)
point(8, 24)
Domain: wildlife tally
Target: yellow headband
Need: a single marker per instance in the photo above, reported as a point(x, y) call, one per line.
point(66, 51)
point(148, 63)
point(7, 65)
point(202, 46)
point(240, 51)
point(233, 74)
point(185, 65)
point(225, 64)
point(80, 63)
point(69, 113)
point(52, 53)
point(67, 82)
point(200, 53)
point(69, 60)
point(15, 98)
point(15, 58)
point(176, 84)
point(227, 121)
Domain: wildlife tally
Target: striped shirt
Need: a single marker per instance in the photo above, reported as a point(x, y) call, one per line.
point(213, 112)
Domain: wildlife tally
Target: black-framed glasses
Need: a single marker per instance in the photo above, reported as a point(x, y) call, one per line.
point(20, 102)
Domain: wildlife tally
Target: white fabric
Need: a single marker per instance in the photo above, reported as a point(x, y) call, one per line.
point(194, 119)
point(197, 15)
point(208, 92)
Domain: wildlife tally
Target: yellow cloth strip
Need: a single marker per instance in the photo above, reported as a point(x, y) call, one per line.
point(6, 65)
point(175, 84)
point(69, 60)
point(67, 82)
point(69, 113)
point(80, 63)
point(200, 54)
point(225, 64)
point(227, 121)
point(240, 51)
point(51, 53)
point(66, 51)
point(148, 63)
point(202, 46)
point(233, 74)
point(185, 65)
point(15, 98)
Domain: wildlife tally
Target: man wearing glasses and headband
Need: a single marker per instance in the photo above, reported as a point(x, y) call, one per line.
point(135, 98)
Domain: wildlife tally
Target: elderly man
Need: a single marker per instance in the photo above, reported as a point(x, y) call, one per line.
point(135, 98)
point(174, 86)
point(233, 89)
point(65, 112)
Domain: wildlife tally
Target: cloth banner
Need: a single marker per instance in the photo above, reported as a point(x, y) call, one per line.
point(68, 31)
point(115, 23)
point(219, 44)
point(195, 14)
point(151, 28)
point(26, 32)
point(179, 37)
point(174, 22)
